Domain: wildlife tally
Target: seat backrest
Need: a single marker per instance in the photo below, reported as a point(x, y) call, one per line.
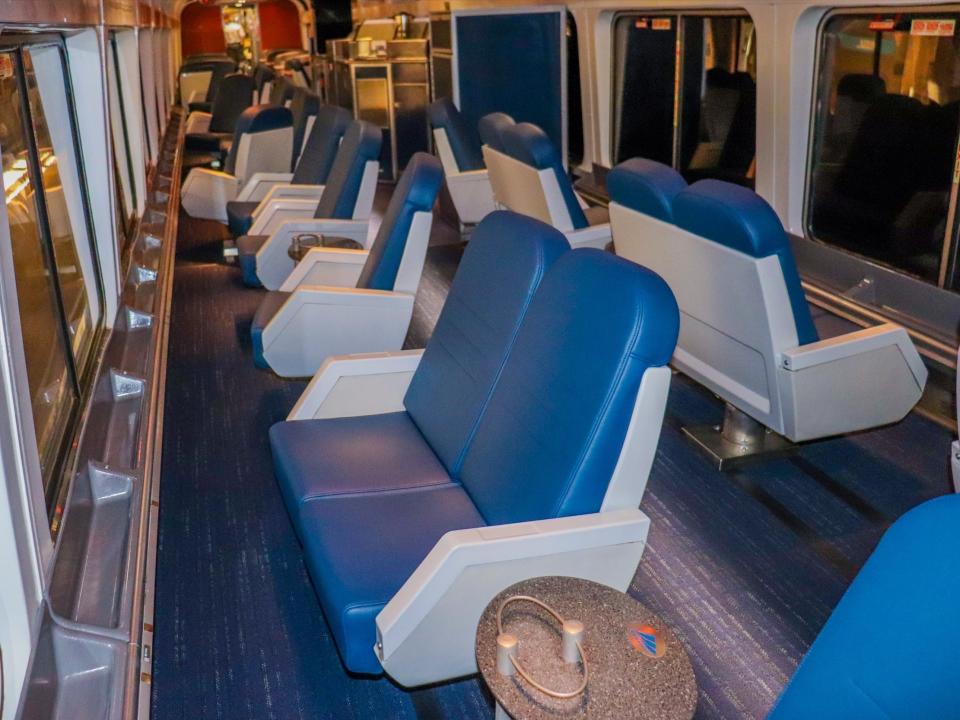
point(491, 127)
point(281, 91)
point(461, 140)
point(360, 145)
point(322, 144)
point(550, 438)
point(501, 270)
point(740, 219)
point(528, 144)
point(889, 649)
point(203, 73)
point(416, 192)
point(645, 186)
point(245, 153)
point(304, 107)
point(234, 95)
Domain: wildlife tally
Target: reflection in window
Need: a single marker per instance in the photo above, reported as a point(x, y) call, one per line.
point(885, 135)
point(52, 392)
point(685, 93)
point(123, 165)
point(61, 190)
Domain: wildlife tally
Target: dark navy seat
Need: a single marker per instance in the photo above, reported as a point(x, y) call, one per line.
point(491, 127)
point(303, 106)
point(541, 437)
point(530, 145)
point(281, 91)
point(890, 648)
point(461, 363)
point(232, 97)
point(443, 114)
point(361, 144)
point(262, 74)
point(645, 186)
point(738, 218)
point(218, 65)
point(313, 167)
point(416, 192)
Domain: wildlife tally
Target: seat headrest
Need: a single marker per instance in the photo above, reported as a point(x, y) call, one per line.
point(416, 192)
point(261, 118)
point(556, 422)
point(361, 144)
point(502, 267)
point(491, 127)
point(444, 114)
point(740, 219)
point(281, 91)
point(645, 186)
point(231, 97)
point(530, 145)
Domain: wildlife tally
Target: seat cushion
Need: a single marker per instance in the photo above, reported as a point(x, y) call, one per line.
point(740, 219)
point(247, 248)
point(501, 269)
point(552, 432)
point(316, 458)
point(240, 216)
point(646, 186)
point(360, 549)
point(889, 650)
point(271, 303)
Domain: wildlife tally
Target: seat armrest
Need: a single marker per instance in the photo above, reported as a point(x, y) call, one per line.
point(198, 122)
point(317, 322)
point(274, 264)
point(361, 384)
point(855, 343)
point(336, 267)
point(426, 631)
point(205, 193)
point(271, 214)
point(595, 236)
point(288, 190)
point(259, 185)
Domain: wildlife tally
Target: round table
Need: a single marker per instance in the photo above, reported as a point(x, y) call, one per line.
point(301, 245)
point(633, 673)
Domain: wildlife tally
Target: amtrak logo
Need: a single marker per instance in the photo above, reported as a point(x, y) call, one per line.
point(646, 640)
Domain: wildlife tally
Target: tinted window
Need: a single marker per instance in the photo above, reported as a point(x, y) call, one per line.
point(885, 136)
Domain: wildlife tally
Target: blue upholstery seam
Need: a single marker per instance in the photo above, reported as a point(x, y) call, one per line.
point(503, 362)
point(361, 493)
point(611, 393)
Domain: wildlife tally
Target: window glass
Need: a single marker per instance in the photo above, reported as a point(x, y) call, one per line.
point(718, 122)
point(685, 93)
point(885, 136)
point(52, 392)
point(63, 198)
point(123, 166)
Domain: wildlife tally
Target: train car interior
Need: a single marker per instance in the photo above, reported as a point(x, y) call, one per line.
point(479, 359)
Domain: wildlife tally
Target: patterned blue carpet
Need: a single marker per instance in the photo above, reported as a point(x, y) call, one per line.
point(744, 566)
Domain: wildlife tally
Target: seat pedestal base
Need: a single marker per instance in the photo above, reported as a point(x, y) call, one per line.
point(740, 440)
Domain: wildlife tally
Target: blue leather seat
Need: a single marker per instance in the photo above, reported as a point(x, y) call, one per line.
point(233, 96)
point(463, 141)
point(541, 443)
point(255, 119)
point(304, 105)
point(491, 127)
point(740, 219)
point(360, 145)
point(645, 186)
point(890, 648)
point(281, 91)
point(314, 165)
point(416, 192)
point(530, 145)
point(460, 365)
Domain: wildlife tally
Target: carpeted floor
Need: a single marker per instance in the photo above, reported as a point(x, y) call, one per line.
point(744, 566)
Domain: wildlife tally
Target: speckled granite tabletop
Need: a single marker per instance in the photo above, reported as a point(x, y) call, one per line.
point(626, 681)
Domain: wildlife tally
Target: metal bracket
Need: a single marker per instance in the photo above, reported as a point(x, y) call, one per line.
point(144, 274)
point(740, 440)
point(137, 319)
point(151, 241)
point(124, 385)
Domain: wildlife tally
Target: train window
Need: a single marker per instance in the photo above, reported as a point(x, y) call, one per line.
point(54, 263)
point(123, 165)
point(574, 99)
point(685, 93)
point(885, 137)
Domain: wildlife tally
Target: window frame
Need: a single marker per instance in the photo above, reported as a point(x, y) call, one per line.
point(949, 262)
point(81, 377)
point(129, 222)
